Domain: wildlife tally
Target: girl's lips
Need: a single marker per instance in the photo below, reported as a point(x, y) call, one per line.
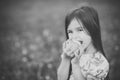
point(81, 42)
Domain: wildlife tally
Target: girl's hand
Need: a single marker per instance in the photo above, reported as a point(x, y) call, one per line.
point(75, 61)
point(69, 47)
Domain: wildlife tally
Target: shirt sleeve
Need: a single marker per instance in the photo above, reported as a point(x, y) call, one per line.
point(94, 66)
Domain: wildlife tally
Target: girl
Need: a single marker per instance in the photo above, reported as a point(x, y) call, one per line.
point(83, 57)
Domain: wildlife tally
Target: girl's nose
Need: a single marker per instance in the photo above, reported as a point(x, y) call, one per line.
point(74, 36)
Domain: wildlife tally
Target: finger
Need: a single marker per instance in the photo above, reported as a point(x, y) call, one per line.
point(91, 77)
point(77, 52)
point(64, 45)
point(75, 60)
point(68, 42)
point(69, 47)
point(72, 55)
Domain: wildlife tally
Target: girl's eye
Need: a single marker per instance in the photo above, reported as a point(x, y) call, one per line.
point(80, 29)
point(69, 31)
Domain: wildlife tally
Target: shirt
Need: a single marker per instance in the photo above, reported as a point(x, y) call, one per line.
point(94, 66)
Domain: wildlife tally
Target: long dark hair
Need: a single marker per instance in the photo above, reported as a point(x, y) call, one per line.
point(89, 17)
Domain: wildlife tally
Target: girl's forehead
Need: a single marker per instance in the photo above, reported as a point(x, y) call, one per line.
point(75, 23)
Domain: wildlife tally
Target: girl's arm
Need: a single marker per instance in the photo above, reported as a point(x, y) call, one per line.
point(76, 69)
point(68, 53)
point(63, 70)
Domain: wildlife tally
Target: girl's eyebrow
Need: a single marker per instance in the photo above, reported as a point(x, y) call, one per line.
point(80, 27)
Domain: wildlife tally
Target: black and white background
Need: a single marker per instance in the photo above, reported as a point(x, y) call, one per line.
point(32, 33)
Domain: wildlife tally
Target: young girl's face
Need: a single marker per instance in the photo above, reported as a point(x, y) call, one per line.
point(77, 32)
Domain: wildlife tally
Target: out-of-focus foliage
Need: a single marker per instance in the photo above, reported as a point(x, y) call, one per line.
point(32, 33)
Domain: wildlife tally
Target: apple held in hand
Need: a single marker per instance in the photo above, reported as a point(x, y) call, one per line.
point(71, 47)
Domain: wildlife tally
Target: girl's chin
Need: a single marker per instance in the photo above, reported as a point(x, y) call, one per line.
point(83, 46)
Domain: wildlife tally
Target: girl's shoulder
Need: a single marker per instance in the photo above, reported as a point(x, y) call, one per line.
point(97, 58)
point(94, 64)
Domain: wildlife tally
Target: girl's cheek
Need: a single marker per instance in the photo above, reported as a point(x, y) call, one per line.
point(69, 36)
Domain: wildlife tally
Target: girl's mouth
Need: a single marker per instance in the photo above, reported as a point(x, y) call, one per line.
point(81, 42)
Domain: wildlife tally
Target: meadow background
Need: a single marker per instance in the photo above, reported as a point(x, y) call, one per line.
point(32, 33)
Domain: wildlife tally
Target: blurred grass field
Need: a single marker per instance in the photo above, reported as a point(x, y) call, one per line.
point(32, 33)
